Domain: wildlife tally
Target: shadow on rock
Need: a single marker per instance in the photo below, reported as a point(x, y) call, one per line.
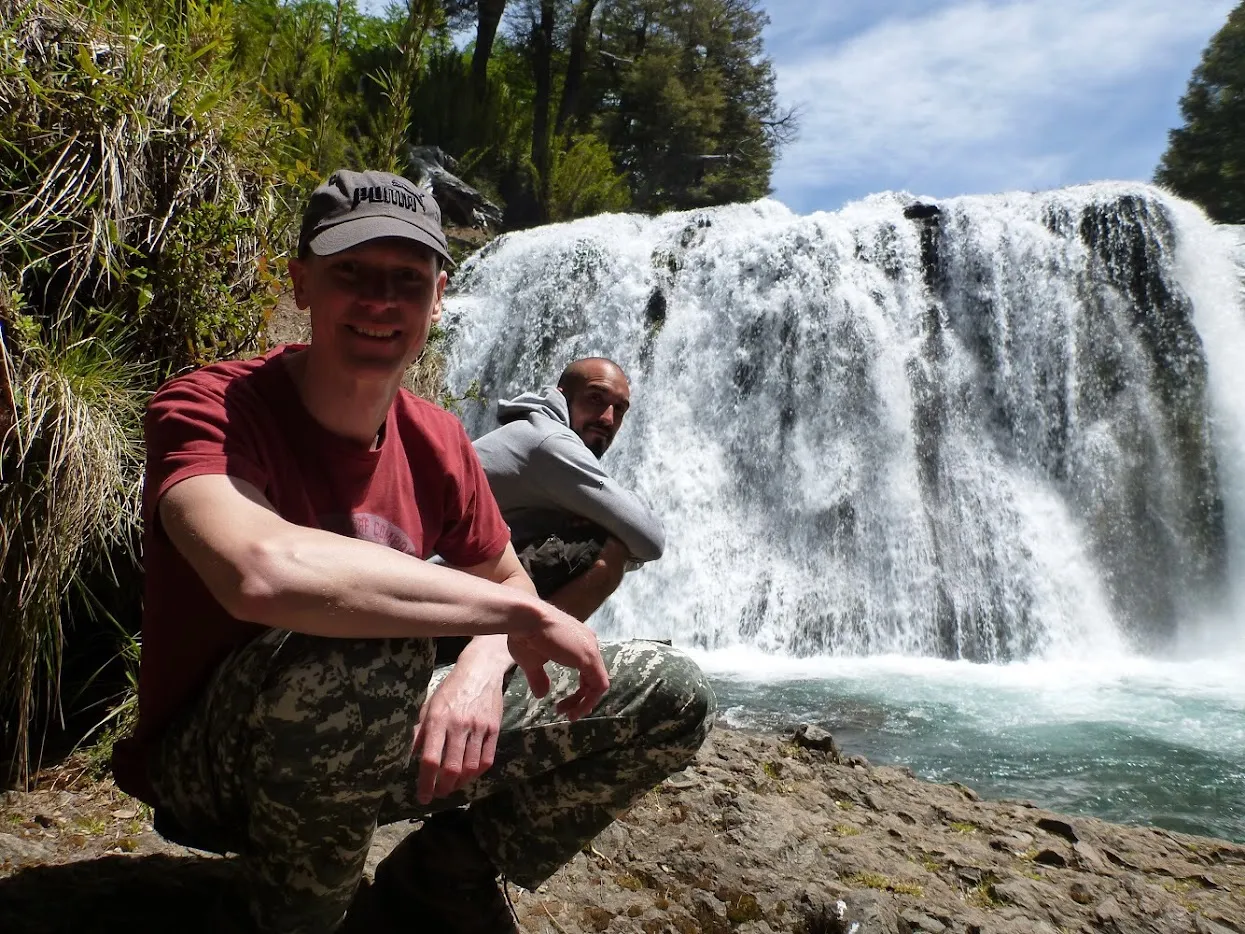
point(115, 894)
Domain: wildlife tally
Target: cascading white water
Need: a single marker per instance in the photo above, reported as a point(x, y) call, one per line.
point(981, 433)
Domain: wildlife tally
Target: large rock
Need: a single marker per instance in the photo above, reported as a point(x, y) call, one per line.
point(461, 205)
point(761, 834)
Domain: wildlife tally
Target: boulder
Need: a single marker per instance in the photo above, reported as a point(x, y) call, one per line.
point(461, 205)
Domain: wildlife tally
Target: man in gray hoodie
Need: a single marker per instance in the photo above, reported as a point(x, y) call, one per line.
point(575, 528)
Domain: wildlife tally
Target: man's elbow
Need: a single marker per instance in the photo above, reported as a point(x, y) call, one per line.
point(254, 596)
point(648, 546)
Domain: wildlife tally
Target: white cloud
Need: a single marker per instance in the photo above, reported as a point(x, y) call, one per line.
point(980, 87)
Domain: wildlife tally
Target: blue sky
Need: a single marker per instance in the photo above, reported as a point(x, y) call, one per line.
point(947, 97)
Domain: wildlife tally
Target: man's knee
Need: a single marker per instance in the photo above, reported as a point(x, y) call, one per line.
point(335, 706)
point(557, 559)
point(675, 700)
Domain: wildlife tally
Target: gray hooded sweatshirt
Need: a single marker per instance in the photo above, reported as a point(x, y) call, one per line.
point(540, 471)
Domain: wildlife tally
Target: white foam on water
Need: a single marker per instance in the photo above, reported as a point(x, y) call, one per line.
point(1210, 263)
point(853, 460)
point(1200, 705)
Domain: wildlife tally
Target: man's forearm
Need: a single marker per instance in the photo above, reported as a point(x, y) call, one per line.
point(324, 584)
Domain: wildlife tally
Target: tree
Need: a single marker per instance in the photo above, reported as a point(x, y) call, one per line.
point(685, 97)
point(489, 18)
point(487, 15)
point(542, 72)
point(1205, 158)
point(577, 63)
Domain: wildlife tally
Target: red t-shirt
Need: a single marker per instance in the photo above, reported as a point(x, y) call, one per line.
point(422, 491)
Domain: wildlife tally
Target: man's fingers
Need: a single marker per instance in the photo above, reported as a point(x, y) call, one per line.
point(452, 761)
point(537, 677)
point(582, 702)
point(594, 680)
point(430, 761)
point(488, 751)
point(572, 707)
point(471, 760)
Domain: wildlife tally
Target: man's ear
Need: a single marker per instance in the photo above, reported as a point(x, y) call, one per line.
point(298, 275)
point(442, 280)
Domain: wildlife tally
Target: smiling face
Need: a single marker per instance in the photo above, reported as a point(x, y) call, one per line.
point(371, 305)
point(598, 397)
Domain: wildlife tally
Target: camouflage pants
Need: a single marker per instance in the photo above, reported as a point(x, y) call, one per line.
point(300, 746)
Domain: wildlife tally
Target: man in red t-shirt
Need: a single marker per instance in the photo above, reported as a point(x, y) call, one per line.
point(290, 621)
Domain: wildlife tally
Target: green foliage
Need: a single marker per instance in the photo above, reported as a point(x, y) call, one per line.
point(875, 880)
point(209, 294)
point(301, 56)
point(138, 176)
point(651, 105)
point(397, 85)
point(1205, 158)
point(489, 133)
point(743, 909)
point(583, 181)
point(69, 482)
point(687, 101)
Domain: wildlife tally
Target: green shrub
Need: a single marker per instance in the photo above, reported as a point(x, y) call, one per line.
point(583, 180)
point(138, 179)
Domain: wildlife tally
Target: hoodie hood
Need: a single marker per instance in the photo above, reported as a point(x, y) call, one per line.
point(549, 402)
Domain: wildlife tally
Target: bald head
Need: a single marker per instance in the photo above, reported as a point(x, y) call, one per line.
point(577, 374)
point(598, 396)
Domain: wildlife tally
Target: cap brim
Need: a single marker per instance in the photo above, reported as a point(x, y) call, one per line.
point(351, 233)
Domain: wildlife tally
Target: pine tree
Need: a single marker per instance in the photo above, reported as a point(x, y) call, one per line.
point(1205, 158)
point(685, 97)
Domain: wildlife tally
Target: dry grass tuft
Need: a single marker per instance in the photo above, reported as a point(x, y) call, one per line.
point(137, 180)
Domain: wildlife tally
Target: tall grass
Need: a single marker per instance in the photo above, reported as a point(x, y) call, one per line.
point(138, 181)
point(69, 494)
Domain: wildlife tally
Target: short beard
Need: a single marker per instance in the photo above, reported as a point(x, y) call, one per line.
point(598, 446)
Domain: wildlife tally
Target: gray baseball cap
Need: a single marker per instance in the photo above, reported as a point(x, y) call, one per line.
point(355, 207)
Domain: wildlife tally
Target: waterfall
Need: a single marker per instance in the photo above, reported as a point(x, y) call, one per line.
point(981, 429)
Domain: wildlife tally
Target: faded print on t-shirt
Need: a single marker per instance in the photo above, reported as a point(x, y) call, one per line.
point(370, 528)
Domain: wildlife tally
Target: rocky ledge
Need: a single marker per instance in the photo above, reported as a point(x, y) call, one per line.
point(761, 834)
point(765, 834)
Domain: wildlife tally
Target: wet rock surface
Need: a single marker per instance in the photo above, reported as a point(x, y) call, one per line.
point(760, 834)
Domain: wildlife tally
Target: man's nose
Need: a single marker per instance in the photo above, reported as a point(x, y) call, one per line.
point(378, 286)
point(608, 415)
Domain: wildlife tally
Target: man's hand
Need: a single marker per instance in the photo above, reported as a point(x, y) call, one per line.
point(565, 640)
point(456, 738)
point(557, 637)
